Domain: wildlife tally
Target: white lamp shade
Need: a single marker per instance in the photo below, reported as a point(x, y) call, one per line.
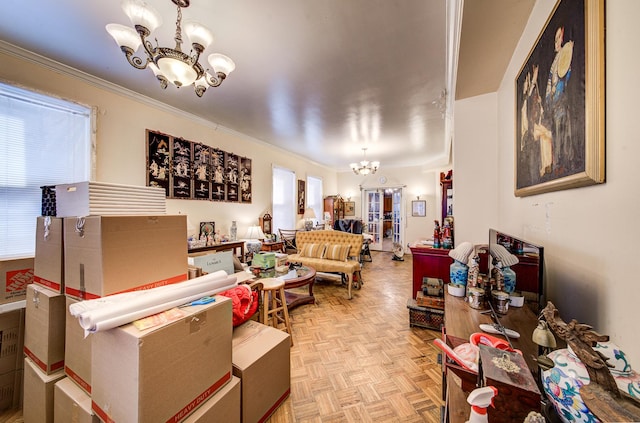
point(309, 213)
point(124, 36)
point(254, 232)
point(155, 69)
point(177, 72)
point(198, 33)
point(142, 13)
point(221, 63)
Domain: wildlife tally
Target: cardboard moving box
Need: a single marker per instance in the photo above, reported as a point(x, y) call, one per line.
point(12, 340)
point(11, 390)
point(16, 275)
point(45, 328)
point(106, 255)
point(48, 267)
point(224, 406)
point(38, 392)
point(165, 372)
point(77, 351)
point(261, 359)
point(71, 404)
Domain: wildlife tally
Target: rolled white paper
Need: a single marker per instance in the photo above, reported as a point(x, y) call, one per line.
point(116, 310)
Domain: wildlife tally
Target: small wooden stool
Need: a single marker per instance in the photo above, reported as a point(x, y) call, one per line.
point(274, 304)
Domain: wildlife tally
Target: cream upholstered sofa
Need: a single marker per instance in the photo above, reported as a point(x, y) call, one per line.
point(332, 252)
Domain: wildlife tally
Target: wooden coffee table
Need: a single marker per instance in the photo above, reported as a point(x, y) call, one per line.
point(296, 278)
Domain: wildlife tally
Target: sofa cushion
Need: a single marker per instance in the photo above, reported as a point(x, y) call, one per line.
point(338, 252)
point(313, 250)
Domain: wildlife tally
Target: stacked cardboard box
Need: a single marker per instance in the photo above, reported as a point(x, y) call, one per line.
point(16, 275)
point(11, 363)
point(38, 393)
point(180, 370)
point(44, 328)
point(49, 260)
point(261, 359)
point(165, 372)
point(106, 255)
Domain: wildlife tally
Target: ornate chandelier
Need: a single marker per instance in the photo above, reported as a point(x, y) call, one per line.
point(365, 167)
point(170, 64)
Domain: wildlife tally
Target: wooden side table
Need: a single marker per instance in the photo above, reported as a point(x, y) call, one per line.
point(273, 246)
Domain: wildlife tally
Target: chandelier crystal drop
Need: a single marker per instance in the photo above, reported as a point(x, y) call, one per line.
point(170, 65)
point(365, 167)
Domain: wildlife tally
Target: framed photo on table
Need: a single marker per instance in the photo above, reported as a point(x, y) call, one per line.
point(419, 208)
point(559, 103)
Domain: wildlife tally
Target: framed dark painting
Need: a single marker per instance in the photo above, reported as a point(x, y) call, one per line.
point(201, 172)
point(181, 168)
point(245, 180)
point(559, 94)
point(231, 176)
point(301, 195)
point(158, 160)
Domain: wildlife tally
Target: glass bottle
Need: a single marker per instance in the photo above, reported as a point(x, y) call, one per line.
point(436, 234)
point(233, 236)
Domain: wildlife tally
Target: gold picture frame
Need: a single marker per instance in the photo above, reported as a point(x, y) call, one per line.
point(559, 103)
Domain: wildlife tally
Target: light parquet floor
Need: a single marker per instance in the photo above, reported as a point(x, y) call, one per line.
point(358, 360)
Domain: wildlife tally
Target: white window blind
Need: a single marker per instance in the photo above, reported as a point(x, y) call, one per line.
point(314, 197)
point(43, 141)
point(283, 199)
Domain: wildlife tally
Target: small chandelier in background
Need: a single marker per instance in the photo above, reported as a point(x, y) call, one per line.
point(365, 167)
point(170, 64)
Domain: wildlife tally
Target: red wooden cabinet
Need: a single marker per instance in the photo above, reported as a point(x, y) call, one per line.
point(431, 262)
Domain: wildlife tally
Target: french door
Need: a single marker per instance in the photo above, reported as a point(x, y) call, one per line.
point(374, 216)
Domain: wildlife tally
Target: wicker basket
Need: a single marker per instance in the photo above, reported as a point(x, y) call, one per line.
point(424, 317)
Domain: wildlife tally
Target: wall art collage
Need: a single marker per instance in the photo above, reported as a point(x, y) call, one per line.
point(193, 171)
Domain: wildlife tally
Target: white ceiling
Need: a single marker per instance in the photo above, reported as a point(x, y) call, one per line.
point(322, 79)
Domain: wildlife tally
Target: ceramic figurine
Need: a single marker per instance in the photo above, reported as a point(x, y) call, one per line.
point(497, 275)
point(474, 271)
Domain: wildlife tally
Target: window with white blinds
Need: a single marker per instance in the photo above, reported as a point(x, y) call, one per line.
point(314, 197)
point(283, 199)
point(43, 141)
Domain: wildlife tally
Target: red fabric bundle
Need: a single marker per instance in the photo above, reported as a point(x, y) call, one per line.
point(244, 302)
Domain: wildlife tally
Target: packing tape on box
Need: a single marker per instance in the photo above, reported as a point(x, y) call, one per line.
point(119, 309)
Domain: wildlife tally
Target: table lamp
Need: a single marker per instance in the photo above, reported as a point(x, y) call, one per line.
point(308, 216)
point(253, 236)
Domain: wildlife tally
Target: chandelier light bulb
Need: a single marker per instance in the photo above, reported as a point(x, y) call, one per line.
point(142, 14)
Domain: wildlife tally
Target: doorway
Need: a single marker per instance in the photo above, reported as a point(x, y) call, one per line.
point(383, 216)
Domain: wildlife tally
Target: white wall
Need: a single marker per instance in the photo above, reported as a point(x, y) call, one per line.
point(475, 175)
point(590, 233)
point(121, 153)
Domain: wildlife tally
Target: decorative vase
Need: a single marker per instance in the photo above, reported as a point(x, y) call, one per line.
point(234, 231)
point(458, 273)
point(509, 279)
